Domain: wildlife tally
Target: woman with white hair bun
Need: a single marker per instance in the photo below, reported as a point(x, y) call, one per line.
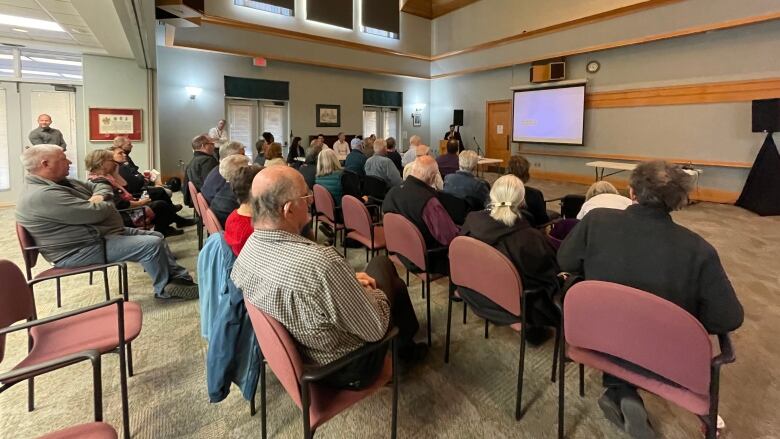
point(503, 227)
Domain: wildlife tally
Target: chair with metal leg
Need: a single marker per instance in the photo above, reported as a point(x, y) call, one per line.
point(360, 227)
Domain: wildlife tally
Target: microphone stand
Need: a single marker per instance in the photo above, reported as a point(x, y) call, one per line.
point(478, 147)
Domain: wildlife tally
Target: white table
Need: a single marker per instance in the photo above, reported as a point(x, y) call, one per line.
point(485, 161)
point(618, 167)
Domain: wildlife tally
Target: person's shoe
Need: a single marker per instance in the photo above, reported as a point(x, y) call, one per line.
point(635, 419)
point(177, 207)
point(537, 335)
point(182, 288)
point(611, 409)
point(170, 231)
point(185, 222)
point(326, 230)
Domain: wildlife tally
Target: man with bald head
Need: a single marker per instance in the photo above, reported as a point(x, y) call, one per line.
point(418, 200)
point(328, 309)
point(45, 134)
point(411, 153)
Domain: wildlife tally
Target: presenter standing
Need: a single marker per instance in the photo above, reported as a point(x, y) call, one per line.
point(454, 133)
point(219, 136)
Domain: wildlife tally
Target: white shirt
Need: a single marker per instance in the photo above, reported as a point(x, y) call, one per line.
point(219, 137)
point(409, 156)
point(342, 149)
point(607, 201)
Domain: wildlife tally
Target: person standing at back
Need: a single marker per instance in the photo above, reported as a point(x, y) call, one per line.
point(341, 147)
point(46, 135)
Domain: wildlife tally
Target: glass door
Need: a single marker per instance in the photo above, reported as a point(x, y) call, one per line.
point(247, 119)
point(381, 121)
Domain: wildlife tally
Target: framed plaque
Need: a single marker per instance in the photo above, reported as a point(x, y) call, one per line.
point(107, 123)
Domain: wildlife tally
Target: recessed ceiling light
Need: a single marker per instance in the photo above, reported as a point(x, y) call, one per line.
point(31, 23)
point(16, 29)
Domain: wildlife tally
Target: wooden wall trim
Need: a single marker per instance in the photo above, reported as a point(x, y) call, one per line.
point(699, 194)
point(635, 158)
point(706, 93)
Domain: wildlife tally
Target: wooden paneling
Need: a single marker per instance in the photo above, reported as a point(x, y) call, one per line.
point(441, 7)
point(635, 158)
point(420, 8)
point(707, 93)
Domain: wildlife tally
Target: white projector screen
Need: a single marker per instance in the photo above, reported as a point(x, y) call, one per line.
point(549, 115)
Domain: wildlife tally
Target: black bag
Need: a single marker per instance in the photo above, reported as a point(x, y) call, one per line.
point(174, 184)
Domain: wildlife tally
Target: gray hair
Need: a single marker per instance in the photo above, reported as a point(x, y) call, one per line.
point(380, 145)
point(119, 140)
point(200, 141)
point(34, 155)
point(506, 198)
point(467, 160)
point(269, 203)
point(232, 148)
point(229, 166)
point(312, 153)
point(415, 140)
point(425, 169)
point(600, 187)
point(327, 162)
point(661, 185)
point(422, 150)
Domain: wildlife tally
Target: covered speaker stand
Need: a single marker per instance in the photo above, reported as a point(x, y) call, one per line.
point(761, 193)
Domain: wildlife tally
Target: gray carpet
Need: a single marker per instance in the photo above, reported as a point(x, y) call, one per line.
point(473, 396)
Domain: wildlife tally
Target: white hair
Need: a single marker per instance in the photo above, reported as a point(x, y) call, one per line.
point(600, 187)
point(467, 160)
point(231, 149)
point(327, 162)
point(34, 155)
point(229, 166)
point(506, 198)
point(425, 169)
point(415, 140)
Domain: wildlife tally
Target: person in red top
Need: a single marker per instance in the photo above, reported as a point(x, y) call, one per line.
point(238, 227)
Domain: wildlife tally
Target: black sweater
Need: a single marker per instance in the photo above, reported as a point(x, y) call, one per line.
point(642, 247)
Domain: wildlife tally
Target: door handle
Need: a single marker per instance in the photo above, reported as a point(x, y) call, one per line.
point(507, 142)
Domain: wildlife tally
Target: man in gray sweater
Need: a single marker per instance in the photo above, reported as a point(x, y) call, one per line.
point(381, 166)
point(76, 224)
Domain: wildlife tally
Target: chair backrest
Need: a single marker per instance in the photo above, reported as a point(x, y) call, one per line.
point(480, 267)
point(210, 221)
point(403, 237)
point(279, 350)
point(356, 216)
point(641, 328)
point(194, 196)
point(458, 208)
point(374, 187)
point(26, 241)
point(571, 205)
point(350, 184)
point(16, 299)
point(323, 201)
point(561, 229)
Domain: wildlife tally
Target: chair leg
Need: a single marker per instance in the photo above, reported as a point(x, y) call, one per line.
point(561, 384)
point(521, 367)
point(199, 227)
point(105, 284)
point(407, 278)
point(394, 425)
point(97, 388)
point(263, 426)
point(422, 289)
point(486, 329)
point(582, 379)
point(119, 280)
point(555, 353)
point(307, 433)
point(428, 307)
point(31, 394)
point(366, 255)
point(90, 277)
point(447, 336)
point(465, 307)
point(129, 359)
point(59, 293)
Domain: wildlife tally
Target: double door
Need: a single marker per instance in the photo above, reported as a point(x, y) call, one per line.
point(247, 119)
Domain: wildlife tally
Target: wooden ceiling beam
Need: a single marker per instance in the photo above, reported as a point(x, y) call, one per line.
point(431, 9)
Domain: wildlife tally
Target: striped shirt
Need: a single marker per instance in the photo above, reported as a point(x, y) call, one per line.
point(313, 292)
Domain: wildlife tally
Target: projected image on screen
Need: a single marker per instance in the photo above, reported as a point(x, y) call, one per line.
point(551, 115)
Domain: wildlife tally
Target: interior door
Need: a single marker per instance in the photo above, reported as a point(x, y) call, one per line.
point(498, 130)
point(241, 124)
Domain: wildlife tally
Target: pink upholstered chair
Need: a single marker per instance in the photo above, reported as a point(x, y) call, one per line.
point(210, 220)
point(326, 212)
point(198, 214)
point(31, 251)
point(318, 403)
point(63, 339)
point(603, 319)
point(403, 238)
point(94, 430)
point(358, 224)
point(498, 280)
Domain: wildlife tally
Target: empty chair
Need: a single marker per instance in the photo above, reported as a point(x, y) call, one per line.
point(571, 205)
point(198, 214)
point(351, 184)
point(374, 188)
point(318, 403)
point(604, 321)
point(360, 227)
point(327, 212)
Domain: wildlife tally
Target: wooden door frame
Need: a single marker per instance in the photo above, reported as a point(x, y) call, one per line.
point(487, 120)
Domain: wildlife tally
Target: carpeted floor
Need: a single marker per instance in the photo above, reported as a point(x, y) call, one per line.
point(473, 396)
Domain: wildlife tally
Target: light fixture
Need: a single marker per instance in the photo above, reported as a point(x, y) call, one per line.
point(31, 23)
point(193, 91)
point(16, 29)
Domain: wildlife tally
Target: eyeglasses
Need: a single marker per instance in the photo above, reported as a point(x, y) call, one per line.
point(306, 197)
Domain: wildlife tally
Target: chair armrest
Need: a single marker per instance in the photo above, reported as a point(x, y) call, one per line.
point(374, 206)
point(118, 301)
point(46, 366)
point(549, 223)
point(726, 351)
point(553, 199)
point(65, 244)
point(316, 373)
point(92, 268)
point(438, 249)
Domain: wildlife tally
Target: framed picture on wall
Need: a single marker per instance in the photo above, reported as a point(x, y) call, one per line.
point(416, 119)
point(107, 123)
point(328, 115)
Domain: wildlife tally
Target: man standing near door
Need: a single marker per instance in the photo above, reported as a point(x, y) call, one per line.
point(46, 135)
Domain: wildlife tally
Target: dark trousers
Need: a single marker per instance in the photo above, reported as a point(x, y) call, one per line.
point(363, 371)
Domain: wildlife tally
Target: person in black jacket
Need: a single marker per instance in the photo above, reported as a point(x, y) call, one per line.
point(643, 248)
point(309, 168)
point(393, 154)
point(296, 150)
point(503, 227)
point(203, 161)
point(534, 199)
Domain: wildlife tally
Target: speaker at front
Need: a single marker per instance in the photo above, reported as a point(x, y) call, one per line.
point(457, 118)
point(766, 116)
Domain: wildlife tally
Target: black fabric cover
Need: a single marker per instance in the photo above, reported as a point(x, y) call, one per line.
point(250, 88)
point(289, 4)
point(761, 193)
point(384, 15)
point(335, 12)
point(383, 98)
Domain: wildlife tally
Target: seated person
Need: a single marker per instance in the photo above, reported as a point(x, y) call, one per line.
point(329, 174)
point(296, 151)
point(423, 151)
point(155, 193)
point(411, 153)
point(602, 194)
point(225, 200)
point(448, 163)
point(76, 224)
point(503, 228)
point(356, 161)
point(273, 156)
point(465, 185)
point(416, 199)
point(341, 147)
point(655, 255)
point(260, 146)
point(238, 226)
point(203, 161)
point(136, 181)
point(534, 199)
point(328, 309)
point(394, 155)
point(214, 181)
point(309, 168)
point(380, 166)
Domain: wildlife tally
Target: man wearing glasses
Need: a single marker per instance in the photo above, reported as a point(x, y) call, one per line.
point(328, 309)
point(203, 161)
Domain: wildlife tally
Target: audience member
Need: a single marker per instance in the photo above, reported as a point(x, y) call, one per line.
point(356, 161)
point(465, 185)
point(503, 228)
point(380, 166)
point(225, 200)
point(448, 163)
point(268, 137)
point(203, 161)
point(321, 141)
point(357, 142)
point(273, 156)
point(393, 154)
point(416, 199)
point(423, 151)
point(454, 134)
point(602, 194)
point(535, 206)
point(411, 153)
point(368, 145)
point(309, 168)
point(238, 227)
point(655, 255)
point(328, 309)
point(46, 135)
point(329, 174)
point(296, 150)
point(75, 224)
point(219, 136)
point(215, 181)
point(156, 193)
point(260, 146)
point(136, 181)
point(341, 147)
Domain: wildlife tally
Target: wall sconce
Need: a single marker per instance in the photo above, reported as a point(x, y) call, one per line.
point(193, 91)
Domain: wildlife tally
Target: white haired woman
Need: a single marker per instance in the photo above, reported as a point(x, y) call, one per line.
point(329, 174)
point(502, 227)
point(602, 194)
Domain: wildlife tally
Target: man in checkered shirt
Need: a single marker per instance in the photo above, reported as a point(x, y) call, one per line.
point(328, 309)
